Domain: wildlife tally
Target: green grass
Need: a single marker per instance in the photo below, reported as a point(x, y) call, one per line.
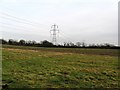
point(31, 67)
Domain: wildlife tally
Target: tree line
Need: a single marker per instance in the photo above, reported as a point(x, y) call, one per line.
point(46, 43)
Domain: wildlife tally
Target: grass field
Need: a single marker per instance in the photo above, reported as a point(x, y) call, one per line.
point(34, 67)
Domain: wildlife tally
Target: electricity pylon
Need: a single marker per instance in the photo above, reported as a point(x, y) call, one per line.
point(54, 32)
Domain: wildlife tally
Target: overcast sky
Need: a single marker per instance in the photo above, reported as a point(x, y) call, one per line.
point(91, 21)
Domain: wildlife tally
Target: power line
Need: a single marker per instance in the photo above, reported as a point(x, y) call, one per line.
point(8, 18)
point(13, 11)
point(11, 24)
point(66, 37)
point(21, 19)
point(12, 28)
point(63, 38)
point(54, 33)
point(22, 24)
point(18, 26)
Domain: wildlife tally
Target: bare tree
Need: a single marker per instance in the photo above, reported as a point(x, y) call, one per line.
point(79, 44)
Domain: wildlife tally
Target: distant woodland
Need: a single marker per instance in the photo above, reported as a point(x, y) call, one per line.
point(46, 43)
